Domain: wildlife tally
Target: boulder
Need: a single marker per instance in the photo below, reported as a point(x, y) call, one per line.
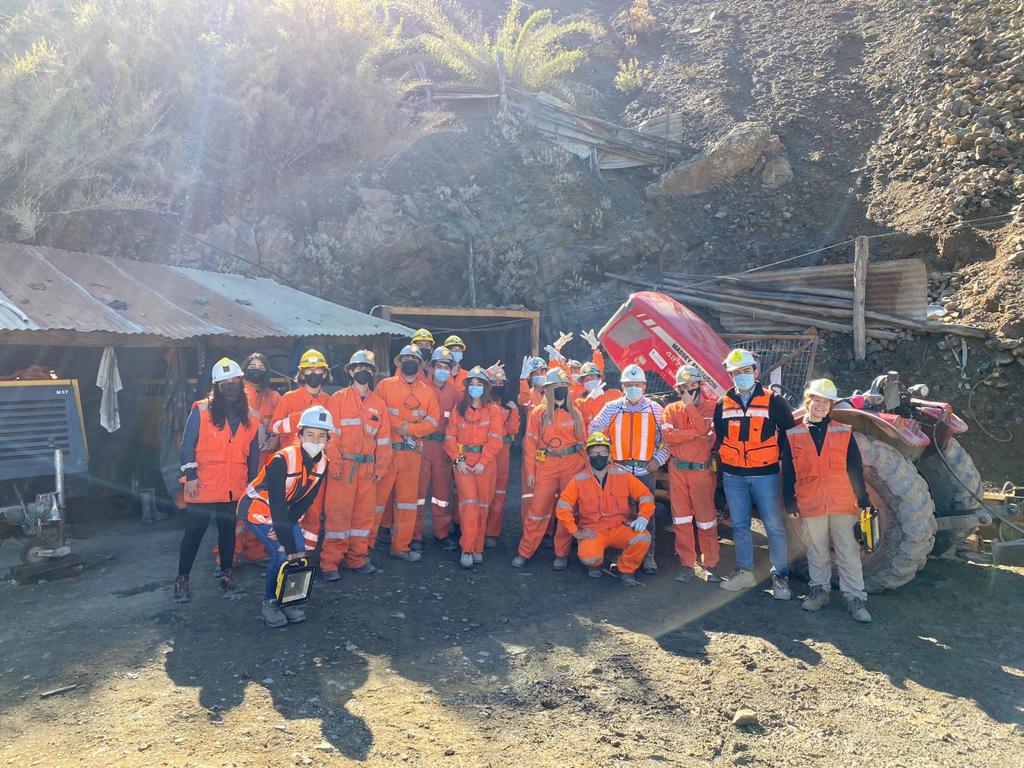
point(777, 172)
point(735, 153)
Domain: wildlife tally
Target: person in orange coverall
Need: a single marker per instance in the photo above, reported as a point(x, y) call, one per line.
point(414, 414)
point(473, 441)
point(594, 509)
point(435, 464)
point(688, 431)
point(510, 421)
point(552, 455)
point(359, 456)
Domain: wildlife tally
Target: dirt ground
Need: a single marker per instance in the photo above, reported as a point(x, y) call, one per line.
point(424, 664)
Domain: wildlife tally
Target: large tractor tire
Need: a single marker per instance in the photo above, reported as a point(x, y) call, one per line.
point(953, 490)
point(906, 516)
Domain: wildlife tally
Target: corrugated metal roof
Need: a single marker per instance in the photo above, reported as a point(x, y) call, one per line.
point(48, 289)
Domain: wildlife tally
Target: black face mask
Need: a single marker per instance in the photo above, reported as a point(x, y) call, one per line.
point(256, 375)
point(314, 380)
point(561, 393)
point(363, 377)
point(599, 462)
point(409, 367)
point(425, 354)
point(497, 392)
point(232, 390)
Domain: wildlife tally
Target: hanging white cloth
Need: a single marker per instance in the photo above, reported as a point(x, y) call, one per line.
point(109, 380)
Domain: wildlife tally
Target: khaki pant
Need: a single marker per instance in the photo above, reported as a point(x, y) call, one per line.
point(816, 532)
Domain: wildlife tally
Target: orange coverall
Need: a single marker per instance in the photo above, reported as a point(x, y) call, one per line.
point(587, 505)
point(477, 437)
point(590, 407)
point(284, 423)
point(263, 402)
point(529, 398)
point(361, 450)
point(576, 390)
point(560, 446)
point(436, 466)
point(688, 432)
point(411, 406)
point(510, 419)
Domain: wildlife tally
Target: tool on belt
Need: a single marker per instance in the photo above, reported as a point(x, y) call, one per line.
point(867, 527)
point(294, 582)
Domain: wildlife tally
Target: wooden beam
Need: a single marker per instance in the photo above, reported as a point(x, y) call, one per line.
point(860, 289)
point(395, 312)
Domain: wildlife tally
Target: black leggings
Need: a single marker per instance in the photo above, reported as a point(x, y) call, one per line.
point(197, 520)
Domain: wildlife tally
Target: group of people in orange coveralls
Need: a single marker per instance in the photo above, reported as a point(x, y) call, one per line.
point(287, 475)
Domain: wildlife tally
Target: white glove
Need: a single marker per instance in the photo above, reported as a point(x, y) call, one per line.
point(526, 367)
point(639, 525)
point(563, 339)
point(596, 392)
point(553, 353)
point(591, 338)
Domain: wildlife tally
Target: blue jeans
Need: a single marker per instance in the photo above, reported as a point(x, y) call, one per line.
point(766, 492)
point(275, 552)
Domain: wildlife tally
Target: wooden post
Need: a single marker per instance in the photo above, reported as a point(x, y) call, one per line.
point(860, 288)
point(472, 277)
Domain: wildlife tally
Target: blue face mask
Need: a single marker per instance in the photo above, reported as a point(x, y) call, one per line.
point(633, 394)
point(457, 355)
point(475, 390)
point(537, 381)
point(590, 386)
point(744, 382)
point(441, 376)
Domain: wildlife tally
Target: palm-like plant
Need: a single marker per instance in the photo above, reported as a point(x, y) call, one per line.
point(534, 50)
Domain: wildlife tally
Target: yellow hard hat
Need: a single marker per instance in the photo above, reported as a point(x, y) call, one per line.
point(598, 438)
point(455, 341)
point(423, 335)
point(312, 359)
point(822, 388)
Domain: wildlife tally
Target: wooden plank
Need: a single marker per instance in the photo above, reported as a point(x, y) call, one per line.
point(860, 285)
point(396, 311)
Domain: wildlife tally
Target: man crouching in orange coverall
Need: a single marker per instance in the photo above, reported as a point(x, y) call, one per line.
point(594, 508)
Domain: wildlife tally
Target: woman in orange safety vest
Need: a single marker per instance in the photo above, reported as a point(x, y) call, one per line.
point(219, 455)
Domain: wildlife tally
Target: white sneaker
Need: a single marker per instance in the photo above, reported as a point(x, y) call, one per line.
point(560, 563)
point(518, 561)
point(466, 561)
point(478, 557)
point(738, 580)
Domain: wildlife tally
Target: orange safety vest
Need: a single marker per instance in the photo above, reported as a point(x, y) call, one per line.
point(221, 457)
point(633, 435)
point(822, 483)
point(297, 483)
point(603, 508)
point(745, 443)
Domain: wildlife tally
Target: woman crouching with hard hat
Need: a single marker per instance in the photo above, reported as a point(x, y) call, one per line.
point(823, 486)
point(277, 499)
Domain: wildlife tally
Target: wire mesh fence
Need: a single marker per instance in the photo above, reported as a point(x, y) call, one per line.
point(786, 359)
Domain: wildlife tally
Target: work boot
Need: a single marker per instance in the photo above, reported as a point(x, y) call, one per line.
point(448, 544)
point(780, 587)
point(409, 557)
point(478, 557)
point(293, 613)
point(330, 575)
point(628, 580)
point(227, 584)
point(415, 546)
point(739, 579)
point(594, 573)
point(560, 563)
point(712, 576)
point(548, 542)
point(466, 561)
point(182, 590)
point(685, 574)
point(816, 599)
point(365, 569)
point(650, 566)
point(518, 561)
point(858, 610)
point(490, 542)
point(272, 615)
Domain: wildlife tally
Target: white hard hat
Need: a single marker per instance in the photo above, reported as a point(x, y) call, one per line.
point(633, 374)
point(317, 417)
point(738, 358)
point(822, 388)
point(687, 374)
point(225, 369)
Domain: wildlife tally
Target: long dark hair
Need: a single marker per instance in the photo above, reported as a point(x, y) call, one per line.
point(220, 407)
point(266, 367)
point(466, 400)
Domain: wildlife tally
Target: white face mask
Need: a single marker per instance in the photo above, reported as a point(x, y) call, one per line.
point(313, 449)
